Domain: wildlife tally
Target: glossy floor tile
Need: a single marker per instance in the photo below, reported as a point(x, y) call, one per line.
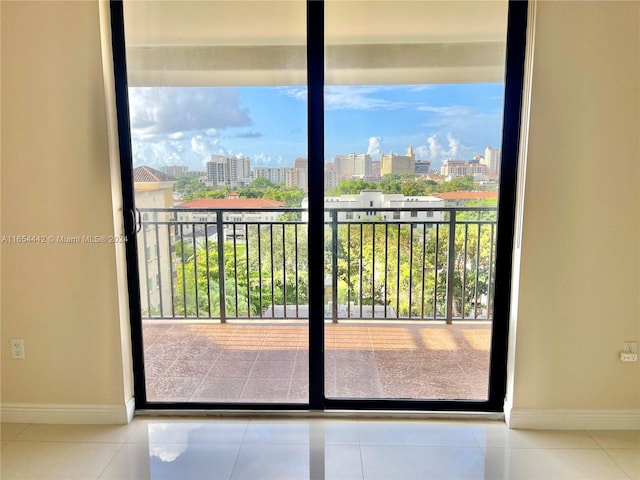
point(190, 448)
point(55, 460)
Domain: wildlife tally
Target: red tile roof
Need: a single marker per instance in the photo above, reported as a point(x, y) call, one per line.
point(232, 203)
point(466, 195)
point(150, 175)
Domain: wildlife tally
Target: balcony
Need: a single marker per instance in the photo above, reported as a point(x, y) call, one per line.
point(407, 303)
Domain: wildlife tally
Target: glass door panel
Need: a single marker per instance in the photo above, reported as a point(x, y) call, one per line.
point(218, 120)
point(413, 121)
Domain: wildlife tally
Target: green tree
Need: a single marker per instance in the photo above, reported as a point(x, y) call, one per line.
point(261, 182)
point(465, 183)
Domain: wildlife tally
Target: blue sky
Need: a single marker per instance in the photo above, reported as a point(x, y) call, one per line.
point(186, 125)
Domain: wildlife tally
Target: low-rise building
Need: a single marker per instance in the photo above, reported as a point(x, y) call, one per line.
point(419, 209)
point(462, 198)
point(234, 209)
point(154, 189)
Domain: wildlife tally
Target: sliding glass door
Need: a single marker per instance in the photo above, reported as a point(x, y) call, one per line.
point(219, 157)
point(413, 122)
point(312, 191)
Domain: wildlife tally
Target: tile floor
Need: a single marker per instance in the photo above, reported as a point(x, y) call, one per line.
point(317, 449)
point(269, 362)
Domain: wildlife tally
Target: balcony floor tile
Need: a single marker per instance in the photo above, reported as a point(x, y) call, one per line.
point(269, 363)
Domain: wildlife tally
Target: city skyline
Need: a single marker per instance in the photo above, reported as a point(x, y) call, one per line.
point(186, 125)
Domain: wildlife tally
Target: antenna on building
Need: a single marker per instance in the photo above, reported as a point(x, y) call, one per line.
point(464, 149)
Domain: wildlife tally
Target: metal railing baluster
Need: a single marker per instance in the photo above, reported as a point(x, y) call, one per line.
point(170, 251)
point(464, 272)
point(260, 268)
point(451, 254)
point(206, 248)
point(348, 270)
point(398, 275)
point(424, 267)
point(235, 269)
point(146, 267)
point(195, 268)
point(373, 270)
point(184, 275)
point(221, 285)
point(334, 266)
point(435, 273)
point(159, 269)
point(465, 263)
point(246, 257)
point(284, 272)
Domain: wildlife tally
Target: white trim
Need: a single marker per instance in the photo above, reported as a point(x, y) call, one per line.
point(130, 405)
point(552, 419)
point(66, 414)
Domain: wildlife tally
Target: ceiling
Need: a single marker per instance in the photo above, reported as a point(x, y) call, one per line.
point(244, 42)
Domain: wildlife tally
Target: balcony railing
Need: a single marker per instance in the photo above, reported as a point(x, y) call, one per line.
point(393, 263)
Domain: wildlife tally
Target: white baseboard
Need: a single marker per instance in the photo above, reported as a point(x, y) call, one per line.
point(67, 414)
point(547, 419)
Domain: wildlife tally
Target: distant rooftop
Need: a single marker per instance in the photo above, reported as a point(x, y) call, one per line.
point(232, 203)
point(464, 195)
point(150, 175)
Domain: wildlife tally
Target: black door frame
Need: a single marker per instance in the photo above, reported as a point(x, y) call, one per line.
point(514, 80)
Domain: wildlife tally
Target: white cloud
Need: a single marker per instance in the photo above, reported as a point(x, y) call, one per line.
point(194, 150)
point(198, 145)
point(170, 110)
point(359, 98)
point(447, 111)
point(299, 93)
point(422, 152)
point(350, 97)
point(435, 149)
point(168, 442)
point(454, 146)
point(375, 146)
point(457, 118)
point(262, 159)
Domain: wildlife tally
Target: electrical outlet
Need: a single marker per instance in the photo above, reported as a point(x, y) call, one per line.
point(628, 357)
point(630, 347)
point(17, 349)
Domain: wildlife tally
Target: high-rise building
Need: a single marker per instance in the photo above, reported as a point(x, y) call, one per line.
point(459, 168)
point(398, 164)
point(491, 159)
point(296, 178)
point(375, 168)
point(352, 165)
point(330, 178)
point(422, 167)
point(300, 162)
point(274, 175)
point(175, 170)
point(300, 175)
point(228, 171)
